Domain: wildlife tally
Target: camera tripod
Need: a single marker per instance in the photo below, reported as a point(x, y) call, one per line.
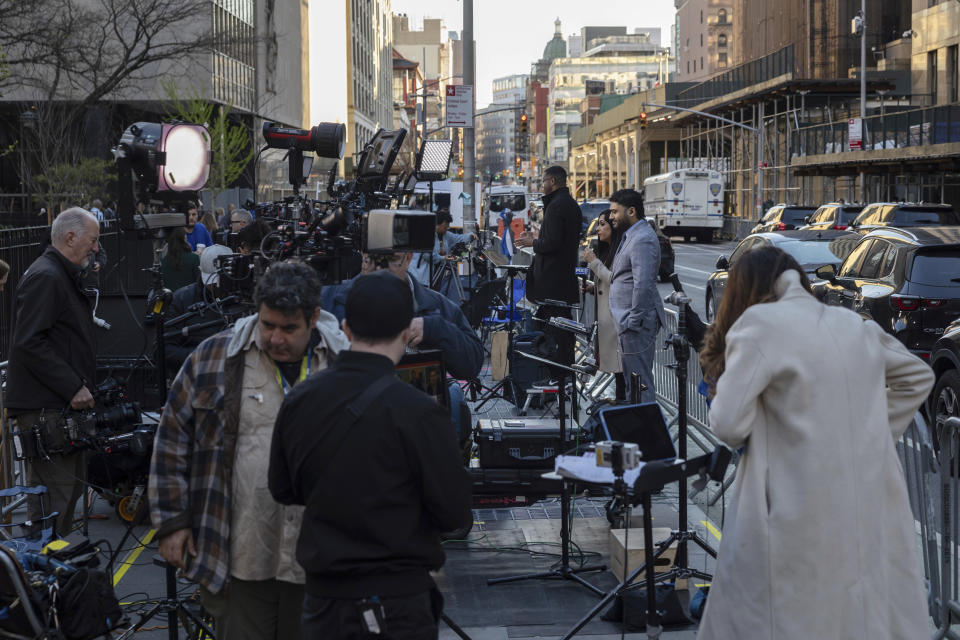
point(564, 571)
point(682, 535)
point(498, 390)
point(177, 610)
point(653, 478)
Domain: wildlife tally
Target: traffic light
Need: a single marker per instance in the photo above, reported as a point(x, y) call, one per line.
point(643, 120)
point(518, 161)
point(523, 123)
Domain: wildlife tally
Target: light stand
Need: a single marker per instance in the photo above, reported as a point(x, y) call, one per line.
point(174, 606)
point(564, 571)
point(682, 535)
point(433, 164)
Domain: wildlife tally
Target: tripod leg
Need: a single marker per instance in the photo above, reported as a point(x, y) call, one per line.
point(454, 626)
point(653, 621)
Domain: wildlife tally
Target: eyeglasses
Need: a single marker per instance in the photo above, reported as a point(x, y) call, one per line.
point(236, 222)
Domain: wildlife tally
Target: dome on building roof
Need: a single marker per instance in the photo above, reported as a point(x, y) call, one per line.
point(557, 47)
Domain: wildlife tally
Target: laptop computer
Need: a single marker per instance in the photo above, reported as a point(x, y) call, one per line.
point(642, 424)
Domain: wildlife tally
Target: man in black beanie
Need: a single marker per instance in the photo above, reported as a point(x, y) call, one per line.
point(378, 468)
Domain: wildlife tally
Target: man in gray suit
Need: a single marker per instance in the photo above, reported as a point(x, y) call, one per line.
point(634, 300)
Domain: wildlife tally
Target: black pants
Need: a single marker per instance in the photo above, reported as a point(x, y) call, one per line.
point(565, 339)
point(403, 618)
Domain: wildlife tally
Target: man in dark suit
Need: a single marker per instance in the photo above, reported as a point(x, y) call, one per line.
point(554, 276)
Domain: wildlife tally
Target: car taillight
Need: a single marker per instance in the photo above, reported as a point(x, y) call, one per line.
point(924, 355)
point(781, 227)
point(933, 304)
point(840, 227)
point(904, 303)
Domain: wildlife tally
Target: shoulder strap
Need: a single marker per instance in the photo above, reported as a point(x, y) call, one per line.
point(336, 435)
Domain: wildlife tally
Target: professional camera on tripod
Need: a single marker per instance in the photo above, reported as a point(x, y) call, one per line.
point(331, 235)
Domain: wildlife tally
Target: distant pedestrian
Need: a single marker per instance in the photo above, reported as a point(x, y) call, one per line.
point(608, 355)
point(210, 222)
point(819, 540)
point(196, 232)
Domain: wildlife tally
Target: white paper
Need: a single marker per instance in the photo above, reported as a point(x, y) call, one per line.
point(585, 468)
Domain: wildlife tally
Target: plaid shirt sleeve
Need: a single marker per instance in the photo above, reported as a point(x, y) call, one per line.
point(169, 484)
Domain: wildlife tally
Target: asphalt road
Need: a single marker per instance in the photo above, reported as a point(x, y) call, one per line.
point(694, 264)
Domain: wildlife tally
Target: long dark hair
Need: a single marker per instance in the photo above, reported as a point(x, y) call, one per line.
point(751, 281)
point(177, 245)
point(606, 250)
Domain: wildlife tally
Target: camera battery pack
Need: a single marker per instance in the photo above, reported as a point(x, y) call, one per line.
point(521, 443)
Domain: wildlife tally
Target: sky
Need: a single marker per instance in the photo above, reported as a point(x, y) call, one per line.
point(511, 34)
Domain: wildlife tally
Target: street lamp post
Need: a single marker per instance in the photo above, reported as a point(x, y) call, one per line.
point(469, 133)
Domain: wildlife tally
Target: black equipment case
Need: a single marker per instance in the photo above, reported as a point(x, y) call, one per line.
point(521, 443)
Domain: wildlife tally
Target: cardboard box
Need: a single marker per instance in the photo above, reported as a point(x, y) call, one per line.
point(635, 554)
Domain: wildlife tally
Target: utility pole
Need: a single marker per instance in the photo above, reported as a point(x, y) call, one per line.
point(863, 93)
point(469, 138)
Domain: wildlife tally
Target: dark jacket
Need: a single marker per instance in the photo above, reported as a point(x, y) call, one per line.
point(53, 347)
point(376, 503)
point(555, 251)
point(444, 327)
point(176, 278)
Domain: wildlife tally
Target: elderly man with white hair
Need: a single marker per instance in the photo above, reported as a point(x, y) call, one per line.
point(52, 357)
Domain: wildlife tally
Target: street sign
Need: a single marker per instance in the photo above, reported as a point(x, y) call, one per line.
point(855, 134)
point(459, 105)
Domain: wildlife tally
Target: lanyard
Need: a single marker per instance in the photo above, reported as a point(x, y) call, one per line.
point(304, 370)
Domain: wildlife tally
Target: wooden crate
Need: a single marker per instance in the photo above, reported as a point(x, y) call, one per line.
point(635, 554)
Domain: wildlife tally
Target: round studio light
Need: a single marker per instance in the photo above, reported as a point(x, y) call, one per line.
point(187, 157)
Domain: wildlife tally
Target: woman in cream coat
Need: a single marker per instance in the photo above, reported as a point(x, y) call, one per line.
point(608, 355)
point(819, 539)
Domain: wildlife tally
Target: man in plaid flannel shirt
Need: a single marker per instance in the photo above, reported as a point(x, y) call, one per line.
point(209, 499)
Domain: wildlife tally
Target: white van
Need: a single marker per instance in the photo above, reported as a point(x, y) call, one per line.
point(685, 202)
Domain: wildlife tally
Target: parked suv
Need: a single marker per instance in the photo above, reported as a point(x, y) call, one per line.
point(783, 217)
point(944, 402)
point(907, 280)
point(903, 214)
point(835, 215)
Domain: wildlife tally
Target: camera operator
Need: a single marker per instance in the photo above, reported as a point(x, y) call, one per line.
point(443, 243)
point(370, 544)
point(437, 324)
point(202, 293)
point(53, 362)
point(555, 251)
point(208, 478)
point(634, 299)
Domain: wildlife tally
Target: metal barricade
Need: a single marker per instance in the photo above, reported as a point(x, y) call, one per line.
point(941, 564)
point(12, 470)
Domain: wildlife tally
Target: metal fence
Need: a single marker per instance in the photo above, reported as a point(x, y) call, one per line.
point(889, 130)
point(736, 228)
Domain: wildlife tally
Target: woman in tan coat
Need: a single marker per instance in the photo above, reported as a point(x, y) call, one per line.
point(819, 539)
point(608, 356)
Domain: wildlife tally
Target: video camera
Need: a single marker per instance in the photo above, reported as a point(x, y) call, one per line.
point(100, 428)
point(357, 218)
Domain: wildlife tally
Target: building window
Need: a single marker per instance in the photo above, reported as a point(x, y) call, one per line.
point(701, 39)
point(952, 72)
point(688, 66)
point(722, 16)
point(932, 75)
point(694, 66)
point(722, 59)
point(722, 40)
point(701, 16)
point(701, 62)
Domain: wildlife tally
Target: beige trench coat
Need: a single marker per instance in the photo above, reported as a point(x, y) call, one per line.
point(608, 356)
point(819, 539)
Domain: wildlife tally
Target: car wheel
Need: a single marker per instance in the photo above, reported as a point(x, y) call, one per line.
point(946, 403)
point(711, 307)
